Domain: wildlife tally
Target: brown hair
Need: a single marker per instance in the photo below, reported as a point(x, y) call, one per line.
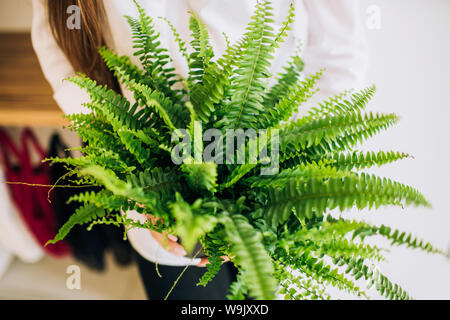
point(80, 45)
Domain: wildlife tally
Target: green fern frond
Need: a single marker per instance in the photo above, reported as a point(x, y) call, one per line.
point(358, 269)
point(361, 160)
point(238, 289)
point(135, 146)
point(202, 54)
point(119, 187)
point(318, 270)
point(209, 92)
point(177, 37)
point(238, 173)
point(160, 181)
point(173, 115)
point(300, 172)
point(247, 88)
point(201, 176)
point(94, 131)
point(123, 63)
point(297, 135)
point(101, 199)
point(334, 246)
point(397, 238)
point(82, 215)
point(285, 81)
point(291, 101)
point(248, 252)
point(215, 82)
point(212, 267)
point(315, 197)
point(190, 226)
point(285, 26)
point(153, 57)
point(339, 104)
point(116, 109)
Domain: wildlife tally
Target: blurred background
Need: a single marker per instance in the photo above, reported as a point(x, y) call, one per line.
point(410, 50)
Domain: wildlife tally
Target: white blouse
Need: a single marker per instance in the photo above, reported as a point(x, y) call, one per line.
point(331, 33)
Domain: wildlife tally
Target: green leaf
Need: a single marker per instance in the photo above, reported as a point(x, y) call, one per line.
point(82, 215)
point(249, 253)
point(189, 225)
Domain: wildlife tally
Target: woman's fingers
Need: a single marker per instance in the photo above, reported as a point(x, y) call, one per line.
point(153, 219)
point(204, 261)
point(172, 237)
point(168, 243)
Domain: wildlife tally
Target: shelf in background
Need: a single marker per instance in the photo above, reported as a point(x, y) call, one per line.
point(25, 95)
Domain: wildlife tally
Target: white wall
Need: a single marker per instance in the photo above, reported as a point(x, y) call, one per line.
point(411, 69)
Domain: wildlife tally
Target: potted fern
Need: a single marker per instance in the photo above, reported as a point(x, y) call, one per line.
point(269, 213)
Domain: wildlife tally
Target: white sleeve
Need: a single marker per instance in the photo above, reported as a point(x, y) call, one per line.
point(54, 63)
point(143, 242)
point(336, 41)
point(70, 98)
point(15, 237)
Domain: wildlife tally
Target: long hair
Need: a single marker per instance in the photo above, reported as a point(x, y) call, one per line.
point(80, 45)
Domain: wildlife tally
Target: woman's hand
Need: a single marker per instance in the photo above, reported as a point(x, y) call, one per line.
point(169, 242)
point(204, 261)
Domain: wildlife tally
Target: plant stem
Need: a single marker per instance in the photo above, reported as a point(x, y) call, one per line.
point(179, 277)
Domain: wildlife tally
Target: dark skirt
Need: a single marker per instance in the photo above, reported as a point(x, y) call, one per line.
point(186, 289)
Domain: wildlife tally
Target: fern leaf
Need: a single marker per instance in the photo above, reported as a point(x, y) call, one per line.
point(358, 269)
point(202, 54)
point(157, 180)
point(300, 172)
point(339, 104)
point(238, 289)
point(251, 256)
point(82, 215)
point(213, 268)
point(289, 104)
point(285, 26)
point(201, 176)
point(173, 115)
point(153, 57)
point(328, 130)
point(361, 160)
point(248, 85)
point(177, 37)
point(398, 238)
point(314, 197)
point(123, 63)
point(119, 187)
point(116, 109)
point(190, 226)
point(285, 81)
point(101, 199)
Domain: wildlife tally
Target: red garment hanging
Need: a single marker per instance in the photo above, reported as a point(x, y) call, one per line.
point(31, 201)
